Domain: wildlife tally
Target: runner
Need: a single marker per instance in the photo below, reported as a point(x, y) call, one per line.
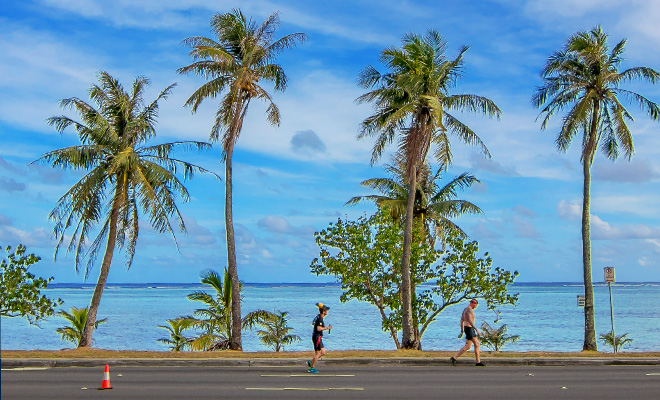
point(471, 333)
point(317, 337)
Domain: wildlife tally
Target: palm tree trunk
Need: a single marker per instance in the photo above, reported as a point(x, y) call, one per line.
point(235, 342)
point(86, 337)
point(408, 335)
point(589, 311)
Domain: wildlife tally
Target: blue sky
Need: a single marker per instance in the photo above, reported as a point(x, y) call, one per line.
point(293, 180)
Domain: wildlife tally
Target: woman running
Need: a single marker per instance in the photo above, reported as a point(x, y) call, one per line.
point(317, 337)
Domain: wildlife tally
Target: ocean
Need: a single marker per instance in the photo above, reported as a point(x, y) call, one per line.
point(547, 317)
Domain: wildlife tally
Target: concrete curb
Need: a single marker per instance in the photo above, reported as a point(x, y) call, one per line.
point(298, 362)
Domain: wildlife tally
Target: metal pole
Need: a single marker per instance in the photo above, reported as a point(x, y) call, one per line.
point(612, 315)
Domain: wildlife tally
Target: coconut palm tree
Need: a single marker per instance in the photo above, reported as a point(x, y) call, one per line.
point(496, 338)
point(214, 320)
point(78, 320)
point(433, 206)
point(241, 54)
point(584, 79)
point(123, 176)
point(617, 342)
point(176, 328)
point(275, 332)
point(413, 100)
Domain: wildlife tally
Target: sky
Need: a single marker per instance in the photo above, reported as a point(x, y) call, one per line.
point(293, 180)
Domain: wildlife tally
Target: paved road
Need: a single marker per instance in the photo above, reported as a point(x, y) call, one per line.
point(440, 382)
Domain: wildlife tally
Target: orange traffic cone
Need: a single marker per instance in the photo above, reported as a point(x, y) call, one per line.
point(106, 379)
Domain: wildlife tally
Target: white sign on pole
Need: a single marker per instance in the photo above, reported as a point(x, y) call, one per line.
point(580, 300)
point(609, 274)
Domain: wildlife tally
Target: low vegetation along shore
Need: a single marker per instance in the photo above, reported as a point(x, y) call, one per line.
point(101, 353)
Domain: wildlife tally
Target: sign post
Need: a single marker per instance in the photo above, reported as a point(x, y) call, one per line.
point(609, 278)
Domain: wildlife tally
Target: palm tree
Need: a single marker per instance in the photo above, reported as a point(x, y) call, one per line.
point(617, 344)
point(124, 176)
point(78, 320)
point(276, 331)
point(242, 54)
point(584, 78)
point(496, 338)
point(433, 206)
point(176, 328)
point(214, 320)
point(413, 99)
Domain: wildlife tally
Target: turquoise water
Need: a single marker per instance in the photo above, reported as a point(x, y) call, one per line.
point(547, 317)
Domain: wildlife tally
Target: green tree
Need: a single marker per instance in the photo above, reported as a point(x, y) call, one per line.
point(276, 333)
point(241, 55)
point(176, 328)
point(122, 177)
point(364, 256)
point(78, 320)
point(214, 320)
point(584, 79)
point(413, 99)
point(617, 344)
point(434, 205)
point(20, 290)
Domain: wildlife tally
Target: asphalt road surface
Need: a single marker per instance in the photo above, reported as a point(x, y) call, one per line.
point(164, 383)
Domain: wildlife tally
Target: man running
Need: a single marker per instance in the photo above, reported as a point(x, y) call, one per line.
point(317, 337)
point(471, 333)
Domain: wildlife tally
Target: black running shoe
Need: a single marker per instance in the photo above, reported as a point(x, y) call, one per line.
point(480, 364)
point(453, 361)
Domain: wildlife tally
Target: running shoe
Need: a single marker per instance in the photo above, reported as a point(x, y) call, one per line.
point(480, 364)
point(453, 361)
point(312, 371)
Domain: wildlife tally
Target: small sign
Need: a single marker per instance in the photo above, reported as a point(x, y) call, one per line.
point(609, 274)
point(580, 300)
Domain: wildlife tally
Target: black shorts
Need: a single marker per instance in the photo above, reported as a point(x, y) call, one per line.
point(318, 343)
point(470, 333)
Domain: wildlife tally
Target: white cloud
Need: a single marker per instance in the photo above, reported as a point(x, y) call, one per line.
point(604, 230)
point(636, 171)
point(524, 211)
point(569, 210)
point(524, 228)
point(569, 8)
point(275, 224)
point(36, 237)
point(637, 203)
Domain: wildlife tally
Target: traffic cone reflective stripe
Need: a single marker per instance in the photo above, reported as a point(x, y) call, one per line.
point(106, 379)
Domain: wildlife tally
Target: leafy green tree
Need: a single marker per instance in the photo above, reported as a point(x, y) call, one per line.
point(123, 176)
point(413, 100)
point(276, 333)
point(20, 290)
point(617, 344)
point(176, 328)
point(364, 256)
point(584, 79)
point(242, 54)
point(78, 320)
point(434, 205)
point(214, 320)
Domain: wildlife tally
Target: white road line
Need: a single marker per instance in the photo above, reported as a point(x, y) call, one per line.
point(25, 369)
point(654, 374)
point(305, 375)
point(305, 389)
